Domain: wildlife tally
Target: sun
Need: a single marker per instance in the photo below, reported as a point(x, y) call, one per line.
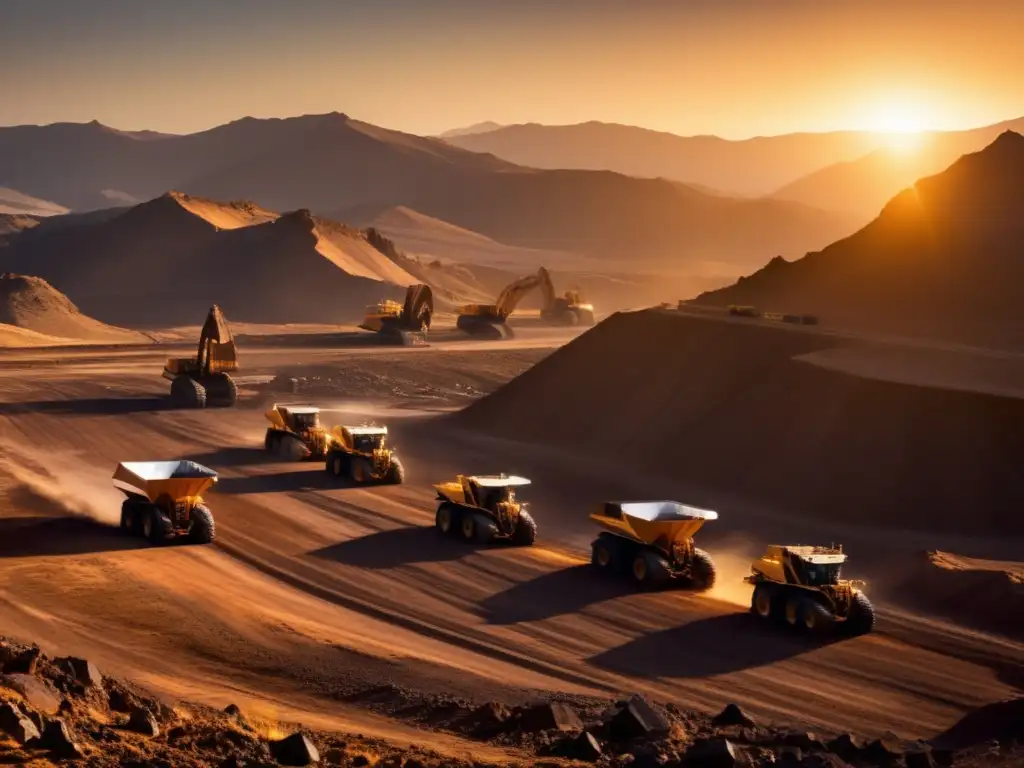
point(900, 124)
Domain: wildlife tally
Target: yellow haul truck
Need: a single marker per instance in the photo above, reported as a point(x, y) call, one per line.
point(164, 500)
point(205, 379)
point(295, 433)
point(484, 508)
point(801, 585)
point(362, 455)
point(652, 543)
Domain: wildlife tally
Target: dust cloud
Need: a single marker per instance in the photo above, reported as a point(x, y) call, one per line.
point(58, 483)
point(732, 564)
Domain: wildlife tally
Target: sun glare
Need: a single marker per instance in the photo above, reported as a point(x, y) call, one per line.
point(901, 125)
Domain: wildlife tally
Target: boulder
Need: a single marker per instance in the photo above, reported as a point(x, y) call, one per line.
point(142, 721)
point(233, 710)
point(296, 749)
point(17, 724)
point(584, 747)
point(712, 753)
point(39, 694)
point(84, 671)
point(554, 716)
point(636, 719)
point(846, 746)
point(22, 662)
point(805, 740)
point(733, 715)
point(58, 739)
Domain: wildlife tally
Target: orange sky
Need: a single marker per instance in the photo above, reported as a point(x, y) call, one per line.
point(731, 67)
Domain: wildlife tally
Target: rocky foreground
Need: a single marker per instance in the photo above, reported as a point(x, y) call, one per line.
point(56, 711)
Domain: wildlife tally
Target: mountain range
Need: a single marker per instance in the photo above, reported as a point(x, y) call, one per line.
point(352, 171)
point(942, 260)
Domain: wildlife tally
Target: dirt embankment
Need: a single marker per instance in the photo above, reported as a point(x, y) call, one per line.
point(64, 709)
point(725, 406)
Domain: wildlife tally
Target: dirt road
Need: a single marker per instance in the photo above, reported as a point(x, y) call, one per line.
point(315, 595)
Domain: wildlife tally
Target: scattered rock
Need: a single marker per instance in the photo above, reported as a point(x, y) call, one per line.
point(58, 739)
point(805, 740)
point(554, 716)
point(142, 721)
point(584, 747)
point(883, 750)
point(733, 715)
point(711, 753)
point(296, 749)
point(84, 671)
point(232, 709)
point(39, 694)
point(637, 718)
point(846, 746)
point(359, 761)
point(22, 663)
point(16, 723)
point(120, 700)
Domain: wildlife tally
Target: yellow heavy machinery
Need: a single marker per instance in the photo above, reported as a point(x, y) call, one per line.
point(490, 319)
point(295, 433)
point(801, 586)
point(407, 322)
point(362, 455)
point(740, 310)
point(567, 309)
point(651, 542)
point(203, 380)
point(164, 500)
point(484, 508)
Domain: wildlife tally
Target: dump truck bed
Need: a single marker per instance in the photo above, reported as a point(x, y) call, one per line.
point(152, 479)
point(647, 521)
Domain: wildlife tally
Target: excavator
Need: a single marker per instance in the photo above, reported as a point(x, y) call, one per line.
point(490, 319)
point(203, 380)
point(407, 322)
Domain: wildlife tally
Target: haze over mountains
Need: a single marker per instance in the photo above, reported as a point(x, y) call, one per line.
point(854, 172)
point(352, 171)
point(942, 260)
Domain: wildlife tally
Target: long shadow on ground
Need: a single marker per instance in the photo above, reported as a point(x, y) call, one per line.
point(299, 479)
point(715, 645)
point(95, 406)
point(396, 547)
point(50, 536)
point(553, 594)
point(237, 456)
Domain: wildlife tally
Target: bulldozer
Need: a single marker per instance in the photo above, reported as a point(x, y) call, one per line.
point(204, 380)
point(164, 500)
point(801, 586)
point(295, 433)
point(362, 455)
point(484, 509)
point(408, 322)
point(651, 542)
point(567, 309)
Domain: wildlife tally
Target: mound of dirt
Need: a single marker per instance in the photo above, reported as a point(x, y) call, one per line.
point(985, 594)
point(162, 263)
point(32, 304)
point(726, 406)
point(940, 261)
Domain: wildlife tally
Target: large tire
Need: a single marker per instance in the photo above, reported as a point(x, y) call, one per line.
point(862, 615)
point(270, 442)
point(204, 529)
point(815, 618)
point(764, 602)
point(359, 472)
point(702, 571)
point(336, 464)
point(526, 530)
point(468, 525)
point(396, 472)
point(485, 529)
point(221, 390)
point(446, 520)
point(127, 516)
point(650, 570)
point(604, 554)
point(289, 448)
point(152, 526)
point(186, 392)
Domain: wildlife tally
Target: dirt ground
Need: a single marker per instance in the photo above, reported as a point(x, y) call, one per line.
point(339, 608)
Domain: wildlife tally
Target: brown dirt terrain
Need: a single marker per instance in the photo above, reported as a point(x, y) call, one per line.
point(339, 607)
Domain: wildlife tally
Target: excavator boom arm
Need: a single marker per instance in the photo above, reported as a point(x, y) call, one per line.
point(513, 293)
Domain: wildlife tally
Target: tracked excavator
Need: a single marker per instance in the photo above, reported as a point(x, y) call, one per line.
point(567, 309)
point(489, 319)
point(204, 380)
point(406, 323)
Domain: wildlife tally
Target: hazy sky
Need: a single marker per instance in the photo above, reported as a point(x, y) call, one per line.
point(731, 67)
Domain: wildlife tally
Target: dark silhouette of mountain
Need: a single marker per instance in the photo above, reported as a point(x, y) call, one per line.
point(340, 167)
point(861, 186)
point(944, 260)
point(750, 167)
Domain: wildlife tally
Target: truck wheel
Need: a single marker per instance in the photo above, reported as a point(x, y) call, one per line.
point(486, 530)
point(814, 617)
point(335, 464)
point(203, 530)
point(702, 571)
point(762, 603)
point(862, 615)
point(793, 610)
point(152, 526)
point(526, 530)
point(467, 526)
point(604, 554)
point(270, 442)
point(358, 472)
point(650, 571)
point(444, 520)
point(127, 516)
point(396, 472)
